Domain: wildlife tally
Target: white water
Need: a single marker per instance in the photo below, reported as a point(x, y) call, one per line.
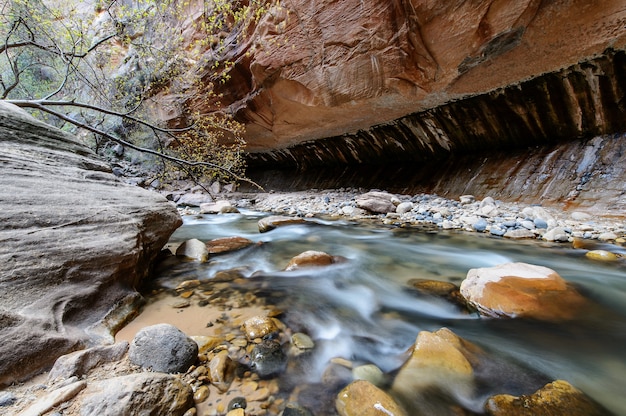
point(361, 310)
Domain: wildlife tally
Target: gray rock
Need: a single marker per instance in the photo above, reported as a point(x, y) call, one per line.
point(497, 231)
point(404, 207)
point(268, 359)
point(529, 225)
point(269, 223)
point(7, 398)
point(137, 394)
point(480, 225)
point(218, 207)
point(378, 202)
point(163, 348)
point(540, 223)
point(557, 234)
point(81, 362)
point(76, 241)
point(194, 200)
point(193, 249)
point(519, 233)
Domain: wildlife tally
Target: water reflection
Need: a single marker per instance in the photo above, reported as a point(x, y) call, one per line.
point(361, 309)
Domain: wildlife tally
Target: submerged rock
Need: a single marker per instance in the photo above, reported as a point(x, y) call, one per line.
point(556, 398)
point(163, 348)
point(520, 290)
point(268, 359)
point(362, 398)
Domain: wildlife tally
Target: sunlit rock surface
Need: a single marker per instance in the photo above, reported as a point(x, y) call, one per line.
point(520, 290)
point(75, 242)
point(310, 71)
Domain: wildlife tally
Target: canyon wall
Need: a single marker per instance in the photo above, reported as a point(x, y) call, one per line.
point(313, 70)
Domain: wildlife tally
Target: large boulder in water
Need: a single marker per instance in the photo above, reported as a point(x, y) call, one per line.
point(521, 290)
point(76, 242)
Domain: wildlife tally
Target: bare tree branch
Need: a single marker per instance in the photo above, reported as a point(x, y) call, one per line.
point(181, 162)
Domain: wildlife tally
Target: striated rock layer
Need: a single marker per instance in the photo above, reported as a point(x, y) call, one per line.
point(75, 242)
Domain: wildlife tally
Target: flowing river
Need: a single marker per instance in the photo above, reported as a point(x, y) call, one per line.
point(362, 309)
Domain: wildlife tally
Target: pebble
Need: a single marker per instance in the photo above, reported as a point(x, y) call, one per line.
point(201, 394)
point(302, 341)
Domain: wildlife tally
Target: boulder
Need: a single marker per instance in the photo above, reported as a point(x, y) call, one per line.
point(377, 202)
point(521, 290)
point(556, 398)
point(136, 394)
point(362, 398)
point(163, 348)
point(439, 360)
point(76, 242)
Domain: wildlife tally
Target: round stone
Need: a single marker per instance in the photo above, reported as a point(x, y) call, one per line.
point(601, 255)
point(302, 341)
point(163, 348)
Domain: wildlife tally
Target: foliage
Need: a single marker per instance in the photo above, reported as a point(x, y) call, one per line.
point(106, 66)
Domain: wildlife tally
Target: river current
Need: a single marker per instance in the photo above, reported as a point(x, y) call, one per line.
point(362, 309)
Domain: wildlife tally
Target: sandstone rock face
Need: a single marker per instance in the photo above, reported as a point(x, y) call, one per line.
point(75, 244)
point(310, 71)
point(520, 290)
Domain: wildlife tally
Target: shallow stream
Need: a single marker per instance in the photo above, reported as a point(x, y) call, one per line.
point(362, 309)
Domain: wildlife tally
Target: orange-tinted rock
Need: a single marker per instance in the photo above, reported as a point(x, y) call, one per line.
point(259, 326)
point(362, 398)
point(438, 360)
point(310, 258)
point(554, 399)
point(520, 290)
point(226, 244)
point(269, 223)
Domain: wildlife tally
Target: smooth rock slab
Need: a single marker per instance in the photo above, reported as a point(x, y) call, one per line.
point(81, 362)
point(163, 348)
point(137, 394)
point(521, 290)
point(76, 242)
point(269, 223)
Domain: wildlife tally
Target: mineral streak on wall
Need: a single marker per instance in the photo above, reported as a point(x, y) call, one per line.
point(582, 101)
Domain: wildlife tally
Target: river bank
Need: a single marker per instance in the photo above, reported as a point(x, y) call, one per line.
point(469, 213)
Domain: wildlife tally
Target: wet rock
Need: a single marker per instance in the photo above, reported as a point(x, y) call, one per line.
point(81, 362)
point(268, 359)
point(163, 348)
point(193, 249)
point(269, 223)
point(520, 290)
point(438, 361)
point(237, 403)
point(54, 398)
point(601, 255)
point(310, 258)
point(226, 244)
point(362, 398)
point(377, 202)
point(556, 398)
point(236, 412)
point(369, 372)
point(302, 341)
point(218, 207)
point(201, 394)
point(294, 409)
point(259, 326)
point(222, 371)
point(143, 393)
